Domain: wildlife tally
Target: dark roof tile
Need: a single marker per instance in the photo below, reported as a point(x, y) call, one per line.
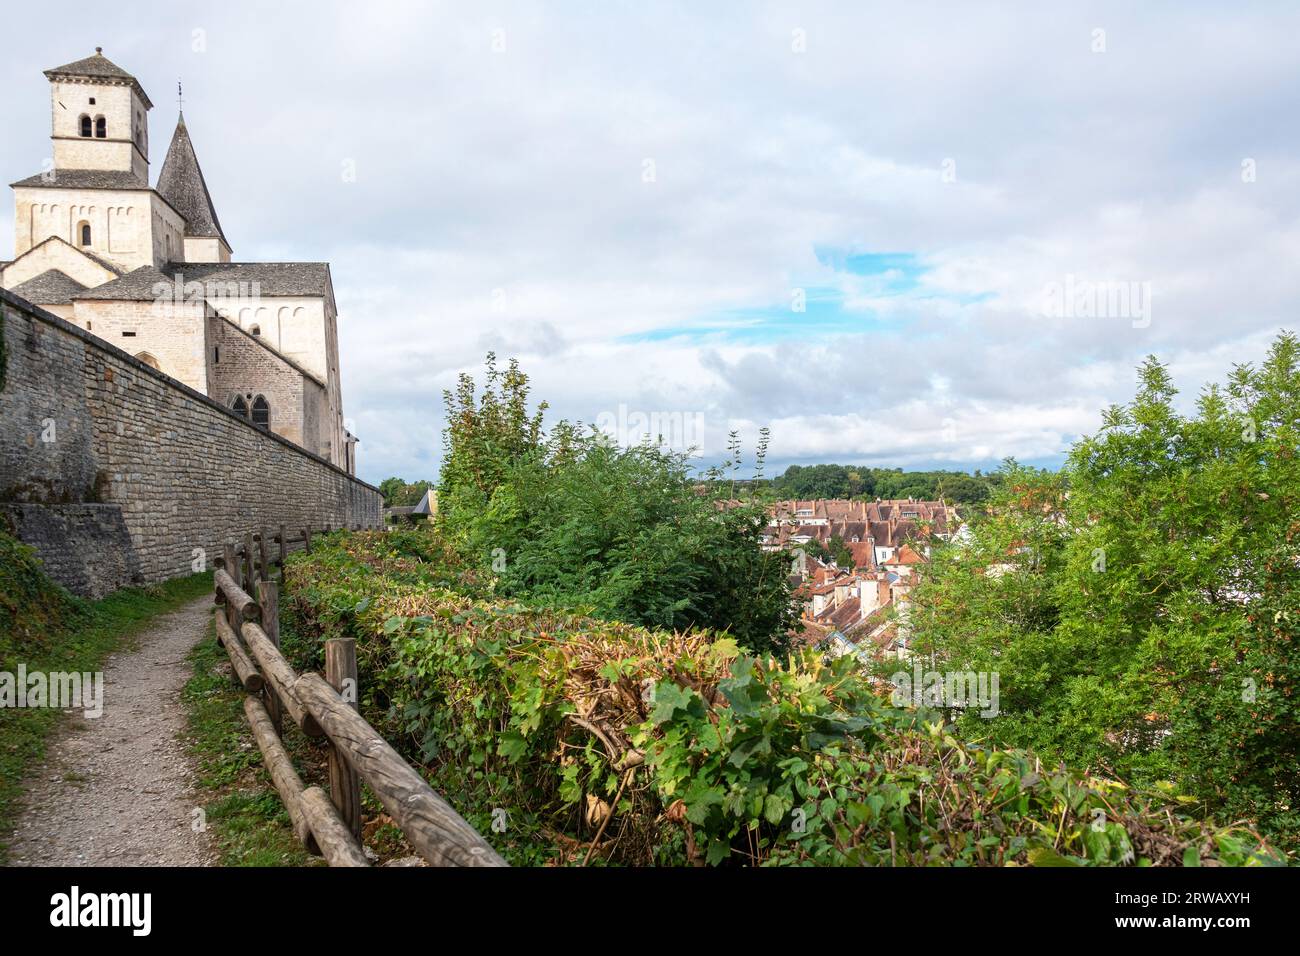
point(270, 279)
point(83, 179)
point(181, 183)
point(51, 287)
point(98, 67)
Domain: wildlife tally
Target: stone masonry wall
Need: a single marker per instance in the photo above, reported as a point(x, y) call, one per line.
point(247, 367)
point(182, 473)
point(86, 548)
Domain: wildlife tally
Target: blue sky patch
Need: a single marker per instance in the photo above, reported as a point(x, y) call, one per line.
point(825, 314)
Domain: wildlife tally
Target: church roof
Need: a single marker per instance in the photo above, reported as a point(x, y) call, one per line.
point(80, 250)
point(136, 286)
point(272, 278)
point(51, 287)
point(98, 67)
point(83, 179)
point(181, 183)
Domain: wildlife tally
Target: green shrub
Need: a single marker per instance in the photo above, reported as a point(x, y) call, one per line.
point(571, 519)
point(1147, 606)
point(32, 607)
point(694, 750)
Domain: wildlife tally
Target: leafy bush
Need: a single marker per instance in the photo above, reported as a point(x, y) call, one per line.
point(639, 747)
point(1142, 606)
point(32, 607)
point(574, 521)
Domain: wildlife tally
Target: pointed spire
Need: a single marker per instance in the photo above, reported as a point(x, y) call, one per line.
point(181, 183)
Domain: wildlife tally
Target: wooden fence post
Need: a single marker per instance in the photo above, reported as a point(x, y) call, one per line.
point(284, 549)
point(250, 563)
point(234, 569)
point(232, 561)
point(345, 785)
point(264, 549)
point(306, 538)
point(268, 596)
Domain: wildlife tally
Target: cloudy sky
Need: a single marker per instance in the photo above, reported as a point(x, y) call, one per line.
point(897, 234)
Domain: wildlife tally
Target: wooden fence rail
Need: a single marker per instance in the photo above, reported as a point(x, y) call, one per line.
point(327, 824)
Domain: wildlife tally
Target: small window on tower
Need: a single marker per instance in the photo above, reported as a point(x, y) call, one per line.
point(255, 330)
point(85, 126)
point(85, 234)
point(261, 412)
point(101, 128)
point(216, 355)
point(92, 101)
point(240, 406)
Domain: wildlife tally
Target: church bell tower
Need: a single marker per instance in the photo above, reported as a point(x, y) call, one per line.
point(99, 118)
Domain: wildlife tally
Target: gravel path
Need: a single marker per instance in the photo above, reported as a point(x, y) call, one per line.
point(117, 790)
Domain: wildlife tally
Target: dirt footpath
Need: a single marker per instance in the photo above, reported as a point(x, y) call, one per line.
point(117, 790)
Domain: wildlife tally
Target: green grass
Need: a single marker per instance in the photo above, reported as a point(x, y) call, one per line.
point(44, 627)
point(245, 817)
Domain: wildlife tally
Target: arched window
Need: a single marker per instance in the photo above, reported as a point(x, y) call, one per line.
point(148, 360)
point(83, 233)
point(101, 127)
point(85, 125)
point(240, 406)
point(261, 413)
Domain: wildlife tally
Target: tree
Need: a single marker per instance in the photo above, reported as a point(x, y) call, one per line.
point(1141, 606)
point(391, 488)
point(850, 481)
point(485, 437)
point(398, 493)
point(571, 519)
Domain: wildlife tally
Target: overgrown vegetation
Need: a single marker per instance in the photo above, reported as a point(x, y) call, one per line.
point(1142, 606)
point(603, 741)
point(571, 520)
point(45, 628)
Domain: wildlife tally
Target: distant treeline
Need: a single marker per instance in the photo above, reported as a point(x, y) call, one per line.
point(854, 481)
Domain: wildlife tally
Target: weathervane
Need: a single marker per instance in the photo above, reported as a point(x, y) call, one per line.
point(180, 98)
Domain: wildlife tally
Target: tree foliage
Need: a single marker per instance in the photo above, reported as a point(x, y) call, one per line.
point(853, 481)
point(571, 519)
point(399, 494)
point(1141, 606)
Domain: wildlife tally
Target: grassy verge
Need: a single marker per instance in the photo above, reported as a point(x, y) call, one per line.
point(245, 817)
point(48, 629)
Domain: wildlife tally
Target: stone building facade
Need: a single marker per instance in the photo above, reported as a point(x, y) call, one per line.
point(149, 269)
point(120, 474)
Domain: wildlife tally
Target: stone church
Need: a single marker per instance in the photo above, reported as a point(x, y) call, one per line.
point(149, 268)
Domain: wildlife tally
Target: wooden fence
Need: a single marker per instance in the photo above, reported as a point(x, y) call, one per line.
point(324, 707)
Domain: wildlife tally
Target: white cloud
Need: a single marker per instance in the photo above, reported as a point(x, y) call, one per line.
point(500, 202)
